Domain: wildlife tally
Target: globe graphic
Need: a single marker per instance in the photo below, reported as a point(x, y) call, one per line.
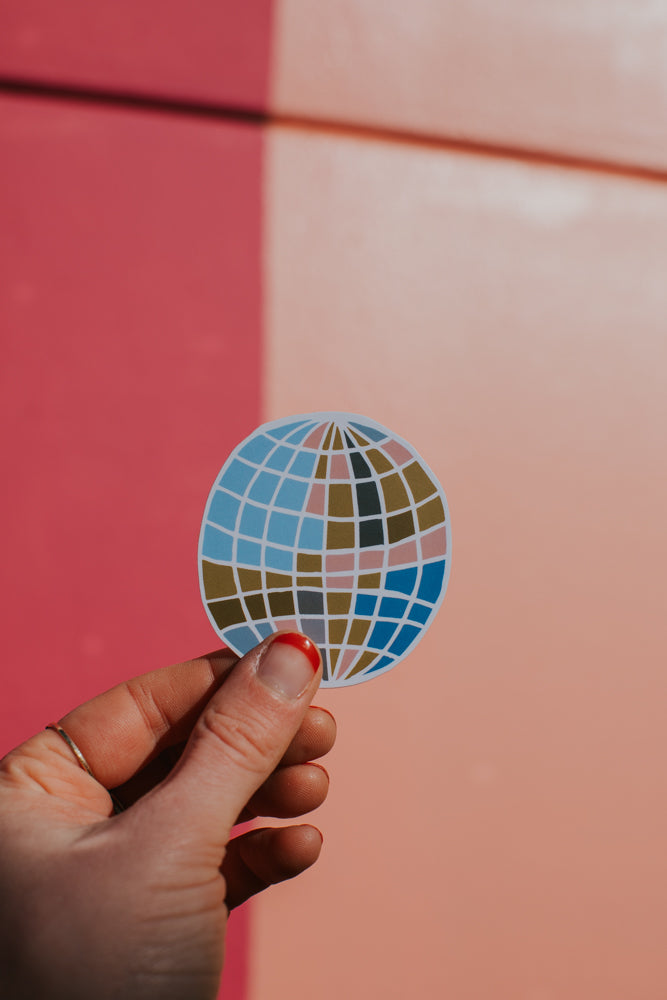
point(329, 524)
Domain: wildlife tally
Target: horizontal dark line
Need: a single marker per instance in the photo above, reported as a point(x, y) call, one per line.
point(256, 116)
point(525, 154)
point(125, 99)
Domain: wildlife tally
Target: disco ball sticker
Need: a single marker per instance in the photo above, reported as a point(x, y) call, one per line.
point(331, 525)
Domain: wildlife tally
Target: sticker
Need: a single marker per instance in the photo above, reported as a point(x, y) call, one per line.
point(331, 525)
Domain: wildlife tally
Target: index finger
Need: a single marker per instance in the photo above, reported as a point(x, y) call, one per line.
point(120, 731)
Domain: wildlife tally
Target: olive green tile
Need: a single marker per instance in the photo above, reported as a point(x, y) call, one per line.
point(378, 460)
point(363, 662)
point(227, 613)
point(395, 494)
point(431, 513)
point(250, 579)
point(419, 483)
point(340, 500)
point(358, 632)
point(256, 607)
point(337, 629)
point(338, 603)
point(400, 526)
point(307, 563)
point(281, 603)
point(340, 535)
point(219, 581)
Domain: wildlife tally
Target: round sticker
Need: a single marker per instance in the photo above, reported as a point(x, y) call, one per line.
point(331, 525)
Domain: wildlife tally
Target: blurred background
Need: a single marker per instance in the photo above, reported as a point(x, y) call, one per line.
point(451, 218)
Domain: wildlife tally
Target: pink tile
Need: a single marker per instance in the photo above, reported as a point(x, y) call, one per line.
point(340, 582)
point(340, 562)
point(398, 452)
point(316, 499)
point(434, 544)
point(314, 438)
point(287, 625)
point(371, 560)
point(339, 468)
point(345, 661)
point(399, 555)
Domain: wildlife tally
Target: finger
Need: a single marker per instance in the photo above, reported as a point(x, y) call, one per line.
point(315, 738)
point(121, 730)
point(290, 791)
point(265, 857)
point(239, 739)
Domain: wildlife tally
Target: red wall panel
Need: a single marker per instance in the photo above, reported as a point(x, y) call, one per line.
point(197, 51)
point(130, 309)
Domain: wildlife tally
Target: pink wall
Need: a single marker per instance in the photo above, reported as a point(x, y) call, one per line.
point(495, 826)
point(388, 245)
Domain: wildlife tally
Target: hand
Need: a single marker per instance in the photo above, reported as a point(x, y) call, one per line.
point(135, 905)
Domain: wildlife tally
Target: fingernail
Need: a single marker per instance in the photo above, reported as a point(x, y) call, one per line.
point(289, 664)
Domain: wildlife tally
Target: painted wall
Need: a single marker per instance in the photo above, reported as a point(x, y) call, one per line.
point(452, 219)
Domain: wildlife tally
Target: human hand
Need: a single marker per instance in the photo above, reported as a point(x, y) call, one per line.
point(135, 905)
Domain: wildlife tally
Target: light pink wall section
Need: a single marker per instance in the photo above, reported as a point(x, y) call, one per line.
point(583, 78)
point(496, 827)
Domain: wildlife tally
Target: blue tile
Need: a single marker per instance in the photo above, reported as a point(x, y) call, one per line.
point(243, 639)
point(392, 607)
point(248, 553)
point(430, 584)
point(252, 521)
point(303, 464)
point(402, 580)
point(282, 432)
point(369, 432)
point(264, 487)
point(299, 435)
point(381, 634)
point(257, 448)
point(292, 494)
point(365, 604)
point(282, 528)
point(223, 510)
point(420, 612)
point(264, 629)
point(236, 477)
point(280, 458)
point(278, 558)
point(384, 661)
point(404, 639)
point(217, 544)
point(311, 535)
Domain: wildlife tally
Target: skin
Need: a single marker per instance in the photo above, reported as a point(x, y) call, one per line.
point(136, 905)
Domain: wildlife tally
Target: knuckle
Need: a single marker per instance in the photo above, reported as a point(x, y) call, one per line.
point(21, 768)
point(12, 767)
point(153, 716)
point(246, 738)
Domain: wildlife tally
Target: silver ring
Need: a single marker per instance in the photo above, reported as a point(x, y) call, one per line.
point(118, 806)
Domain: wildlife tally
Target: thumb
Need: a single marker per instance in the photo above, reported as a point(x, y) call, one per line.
point(239, 739)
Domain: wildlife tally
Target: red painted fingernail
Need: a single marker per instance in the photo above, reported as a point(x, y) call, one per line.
point(288, 664)
point(302, 643)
